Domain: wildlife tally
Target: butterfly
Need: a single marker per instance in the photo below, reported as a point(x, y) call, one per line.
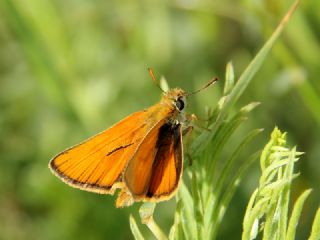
point(142, 155)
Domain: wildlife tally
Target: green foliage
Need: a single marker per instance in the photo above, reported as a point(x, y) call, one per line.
point(200, 210)
point(270, 201)
point(268, 207)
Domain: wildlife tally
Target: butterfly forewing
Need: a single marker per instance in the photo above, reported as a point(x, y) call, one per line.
point(97, 163)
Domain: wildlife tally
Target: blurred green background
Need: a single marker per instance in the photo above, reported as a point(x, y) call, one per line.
point(69, 69)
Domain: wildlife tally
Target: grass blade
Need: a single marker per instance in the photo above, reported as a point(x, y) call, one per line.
point(315, 231)
point(296, 212)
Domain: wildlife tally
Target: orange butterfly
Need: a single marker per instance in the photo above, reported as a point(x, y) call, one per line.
point(142, 154)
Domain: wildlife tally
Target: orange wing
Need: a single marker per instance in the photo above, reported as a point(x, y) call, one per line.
point(97, 164)
point(168, 164)
point(155, 170)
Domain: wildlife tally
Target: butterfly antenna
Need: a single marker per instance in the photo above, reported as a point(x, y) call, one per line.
point(154, 78)
point(212, 81)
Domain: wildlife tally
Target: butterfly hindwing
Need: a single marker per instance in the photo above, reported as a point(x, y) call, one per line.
point(167, 166)
point(155, 170)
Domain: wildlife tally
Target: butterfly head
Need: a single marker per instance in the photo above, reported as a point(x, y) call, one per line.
point(175, 97)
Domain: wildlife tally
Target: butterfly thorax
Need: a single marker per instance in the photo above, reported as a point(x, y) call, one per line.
point(175, 100)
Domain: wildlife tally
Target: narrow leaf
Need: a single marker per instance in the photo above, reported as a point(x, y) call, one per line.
point(229, 83)
point(315, 231)
point(296, 212)
point(134, 229)
point(189, 224)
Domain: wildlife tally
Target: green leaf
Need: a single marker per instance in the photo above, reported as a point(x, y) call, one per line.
point(220, 140)
point(187, 215)
point(248, 108)
point(286, 196)
point(134, 229)
point(229, 83)
point(254, 214)
point(315, 231)
point(176, 231)
point(296, 212)
point(198, 206)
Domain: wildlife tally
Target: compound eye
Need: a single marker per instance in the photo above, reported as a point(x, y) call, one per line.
point(180, 104)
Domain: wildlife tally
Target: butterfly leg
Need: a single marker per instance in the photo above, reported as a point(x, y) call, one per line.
point(188, 132)
point(195, 119)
